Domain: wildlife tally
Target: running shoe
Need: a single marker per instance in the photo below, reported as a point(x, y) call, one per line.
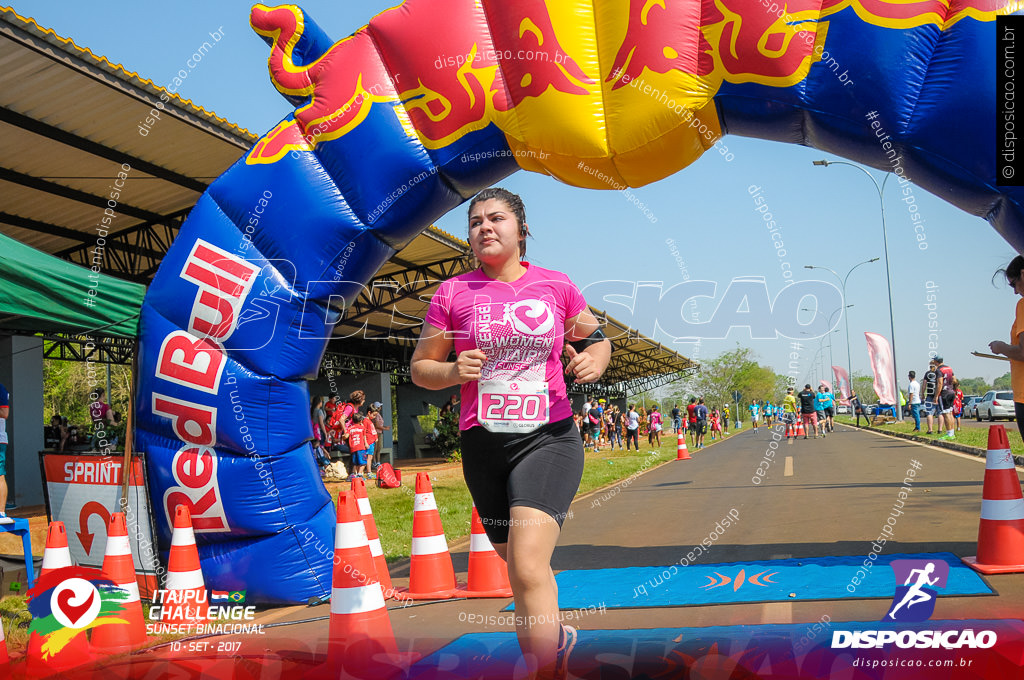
point(568, 638)
point(947, 436)
point(4, 519)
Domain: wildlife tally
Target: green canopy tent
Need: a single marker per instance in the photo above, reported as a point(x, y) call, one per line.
point(41, 293)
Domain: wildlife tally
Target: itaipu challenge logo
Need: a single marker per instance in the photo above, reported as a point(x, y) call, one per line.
point(69, 601)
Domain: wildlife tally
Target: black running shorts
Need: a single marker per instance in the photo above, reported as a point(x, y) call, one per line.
point(541, 469)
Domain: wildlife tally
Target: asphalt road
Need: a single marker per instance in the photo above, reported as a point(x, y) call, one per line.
point(826, 497)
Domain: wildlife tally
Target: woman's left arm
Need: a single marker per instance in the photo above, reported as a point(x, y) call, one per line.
point(590, 364)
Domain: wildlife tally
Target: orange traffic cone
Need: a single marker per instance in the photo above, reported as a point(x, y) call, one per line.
point(1001, 531)
point(130, 629)
point(682, 453)
point(488, 573)
point(76, 652)
point(359, 489)
point(359, 633)
point(431, 574)
point(800, 428)
point(57, 555)
point(184, 599)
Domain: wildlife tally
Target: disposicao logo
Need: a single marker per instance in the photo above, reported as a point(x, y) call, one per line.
point(70, 601)
point(913, 602)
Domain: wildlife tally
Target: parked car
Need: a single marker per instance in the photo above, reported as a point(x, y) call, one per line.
point(842, 409)
point(995, 405)
point(971, 406)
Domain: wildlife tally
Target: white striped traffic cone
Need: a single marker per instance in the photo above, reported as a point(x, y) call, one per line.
point(360, 634)
point(184, 600)
point(359, 489)
point(130, 629)
point(57, 555)
point(682, 453)
point(488, 573)
point(76, 652)
point(1001, 531)
point(431, 574)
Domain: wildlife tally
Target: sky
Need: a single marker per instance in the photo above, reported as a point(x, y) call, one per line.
point(706, 228)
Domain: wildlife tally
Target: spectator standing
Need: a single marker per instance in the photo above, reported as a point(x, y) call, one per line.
point(613, 423)
point(691, 421)
point(1014, 350)
point(593, 421)
point(958, 403)
point(586, 424)
point(807, 412)
point(654, 432)
point(914, 392)
point(930, 395)
point(947, 395)
point(318, 419)
point(378, 422)
point(370, 434)
point(356, 432)
point(5, 413)
point(716, 424)
point(702, 422)
point(725, 420)
point(677, 419)
point(633, 427)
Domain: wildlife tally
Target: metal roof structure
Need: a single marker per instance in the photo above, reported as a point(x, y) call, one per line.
point(70, 123)
point(80, 161)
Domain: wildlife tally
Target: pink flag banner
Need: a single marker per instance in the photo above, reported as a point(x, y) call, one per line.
point(842, 383)
point(880, 353)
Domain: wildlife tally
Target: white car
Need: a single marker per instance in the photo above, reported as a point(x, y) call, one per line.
point(995, 405)
point(970, 407)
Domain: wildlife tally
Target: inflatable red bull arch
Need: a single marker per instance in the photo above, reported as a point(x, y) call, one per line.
point(435, 100)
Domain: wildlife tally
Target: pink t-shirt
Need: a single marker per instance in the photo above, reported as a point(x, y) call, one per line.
point(520, 326)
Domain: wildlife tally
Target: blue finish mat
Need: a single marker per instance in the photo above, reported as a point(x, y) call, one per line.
point(815, 578)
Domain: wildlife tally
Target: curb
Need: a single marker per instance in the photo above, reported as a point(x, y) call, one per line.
point(962, 448)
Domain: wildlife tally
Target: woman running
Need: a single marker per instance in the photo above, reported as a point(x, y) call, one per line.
point(522, 457)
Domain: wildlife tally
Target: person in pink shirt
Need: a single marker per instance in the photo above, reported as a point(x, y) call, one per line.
point(654, 433)
point(509, 322)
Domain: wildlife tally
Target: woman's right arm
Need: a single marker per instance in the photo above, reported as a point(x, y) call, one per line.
point(430, 367)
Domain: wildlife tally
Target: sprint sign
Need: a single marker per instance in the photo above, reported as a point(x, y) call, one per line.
point(82, 490)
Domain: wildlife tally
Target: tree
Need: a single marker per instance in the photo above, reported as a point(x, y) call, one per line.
point(863, 385)
point(732, 371)
point(975, 386)
point(1002, 382)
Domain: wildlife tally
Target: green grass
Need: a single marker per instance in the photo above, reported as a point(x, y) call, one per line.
point(967, 436)
point(392, 508)
point(15, 619)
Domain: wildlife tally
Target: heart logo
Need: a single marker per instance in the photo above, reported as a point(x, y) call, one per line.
point(532, 317)
point(75, 603)
point(73, 612)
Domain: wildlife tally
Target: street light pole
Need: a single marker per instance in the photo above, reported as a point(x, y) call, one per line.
point(846, 317)
point(888, 278)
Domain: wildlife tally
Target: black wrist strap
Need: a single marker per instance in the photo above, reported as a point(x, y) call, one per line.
point(594, 338)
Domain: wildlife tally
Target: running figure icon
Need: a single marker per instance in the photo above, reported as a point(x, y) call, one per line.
point(915, 595)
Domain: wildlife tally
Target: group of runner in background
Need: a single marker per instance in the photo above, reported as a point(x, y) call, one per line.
point(606, 425)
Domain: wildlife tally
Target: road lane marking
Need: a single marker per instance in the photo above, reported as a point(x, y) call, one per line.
point(788, 472)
